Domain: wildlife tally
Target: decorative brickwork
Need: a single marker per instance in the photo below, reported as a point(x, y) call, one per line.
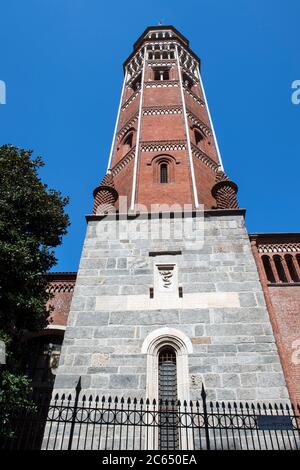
point(105, 196)
point(224, 191)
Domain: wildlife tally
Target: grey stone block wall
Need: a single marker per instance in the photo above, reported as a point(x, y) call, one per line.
point(234, 351)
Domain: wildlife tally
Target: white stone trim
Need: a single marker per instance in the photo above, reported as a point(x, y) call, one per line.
point(133, 190)
point(116, 124)
point(188, 140)
point(55, 327)
point(210, 120)
point(123, 303)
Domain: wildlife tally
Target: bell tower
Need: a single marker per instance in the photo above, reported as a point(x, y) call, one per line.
point(156, 316)
point(164, 148)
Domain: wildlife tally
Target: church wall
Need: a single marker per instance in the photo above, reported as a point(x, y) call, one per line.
point(222, 313)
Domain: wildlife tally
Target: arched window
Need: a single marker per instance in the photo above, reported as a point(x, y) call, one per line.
point(198, 136)
point(268, 268)
point(187, 81)
point(127, 142)
point(161, 74)
point(167, 394)
point(291, 267)
point(167, 376)
point(167, 352)
point(280, 269)
point(163, 172)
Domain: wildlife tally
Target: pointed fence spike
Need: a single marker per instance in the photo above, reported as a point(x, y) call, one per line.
point(70, 397)
point(223, 404)
point(116, 400)
point(217, 405)
point(147, 402)
point(276, 407)
point(90, 398)
point(247, 405)
point(128, 400)
point(154, 402)
point(135, 401)
point(184, 403)
point(203, 392)
point(141, 401)
point(109, 399)
point(63, 397)
point(78, 386)
point(97, 399)
point(84, 398)
point(235, 405)
point(179, 403)
point(56, 397)
point(103, 399)
point(191, 404)
point(197, 404)
point(229, 405)
point(270, 406)
point(122, 400)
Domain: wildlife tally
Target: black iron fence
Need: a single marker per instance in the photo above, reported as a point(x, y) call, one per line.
point(84, 423)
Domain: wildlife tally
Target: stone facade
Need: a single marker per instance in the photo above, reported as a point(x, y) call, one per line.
point(221, 310)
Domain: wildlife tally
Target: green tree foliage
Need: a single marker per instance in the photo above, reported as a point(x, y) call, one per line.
point(32, 223)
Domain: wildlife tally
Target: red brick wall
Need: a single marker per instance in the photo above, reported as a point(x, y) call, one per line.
point(60, 286)
point(286, 309)
point(283, 302)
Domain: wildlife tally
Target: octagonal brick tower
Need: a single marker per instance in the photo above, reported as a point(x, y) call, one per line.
point(164, 131)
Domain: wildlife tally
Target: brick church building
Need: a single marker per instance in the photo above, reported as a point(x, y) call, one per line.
point(157, 316)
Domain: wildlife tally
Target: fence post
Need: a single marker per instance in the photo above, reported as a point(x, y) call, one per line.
point(78, 390)
point(205, 417)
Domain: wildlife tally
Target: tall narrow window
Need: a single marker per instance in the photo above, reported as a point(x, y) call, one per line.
point(167, 388)
point(280, 269)
point(164, 173)
point(291, 267)
point(127, 143)
point(268, 268)
point(198, 136)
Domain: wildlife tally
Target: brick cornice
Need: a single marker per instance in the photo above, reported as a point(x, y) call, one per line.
point(157, 215)
point(195, 120)
point(162, 145)
point(208, 161)
point(123, 162)
point(128, 124)
point(156, 110)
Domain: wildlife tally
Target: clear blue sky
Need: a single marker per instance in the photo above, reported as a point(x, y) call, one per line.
point(62, 64)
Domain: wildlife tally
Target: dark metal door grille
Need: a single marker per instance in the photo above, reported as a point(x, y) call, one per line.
point(167, 383)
